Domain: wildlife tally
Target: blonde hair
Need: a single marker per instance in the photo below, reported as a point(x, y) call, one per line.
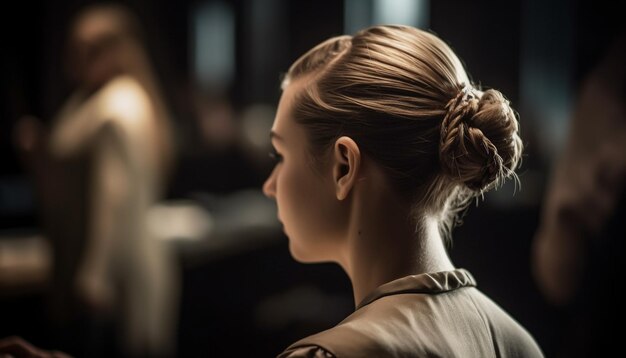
point(404, 97)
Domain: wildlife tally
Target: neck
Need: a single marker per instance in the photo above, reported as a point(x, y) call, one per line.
point(384, 244)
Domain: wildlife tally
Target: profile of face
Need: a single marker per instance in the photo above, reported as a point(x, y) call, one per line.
point(93, 44)
point(311, 215)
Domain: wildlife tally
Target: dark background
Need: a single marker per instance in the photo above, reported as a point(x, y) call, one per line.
point(498, 41)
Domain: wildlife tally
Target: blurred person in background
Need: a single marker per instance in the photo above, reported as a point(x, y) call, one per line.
point(381, 140)
point(579, 246)
point(103, 163)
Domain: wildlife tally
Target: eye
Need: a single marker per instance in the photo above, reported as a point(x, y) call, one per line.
point(276, 158)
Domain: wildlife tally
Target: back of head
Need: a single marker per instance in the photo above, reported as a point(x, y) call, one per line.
point(403, 95)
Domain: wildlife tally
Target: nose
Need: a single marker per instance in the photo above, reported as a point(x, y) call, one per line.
point(269, 187)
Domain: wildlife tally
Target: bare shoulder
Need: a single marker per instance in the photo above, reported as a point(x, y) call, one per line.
point(125, 99)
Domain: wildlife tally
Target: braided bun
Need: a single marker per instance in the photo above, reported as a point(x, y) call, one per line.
point(479, 144)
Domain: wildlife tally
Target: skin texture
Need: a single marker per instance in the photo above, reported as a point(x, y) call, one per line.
point(306, 202)
point(342, 209)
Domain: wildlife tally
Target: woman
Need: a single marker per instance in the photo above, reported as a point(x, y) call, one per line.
point(100, 167)
point(381, 140)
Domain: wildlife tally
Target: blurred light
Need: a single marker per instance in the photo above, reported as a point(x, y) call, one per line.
point(180, 220)
point(127, 99)
point(257, 122)
point(213, 45)
point(546, 73)
point(360, 14)
point(357, 15)
point(25, 261)
point(402, 12)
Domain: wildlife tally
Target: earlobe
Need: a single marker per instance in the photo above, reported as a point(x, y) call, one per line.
point(346, 166)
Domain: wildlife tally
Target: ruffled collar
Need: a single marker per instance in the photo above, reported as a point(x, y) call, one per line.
point(431, 283)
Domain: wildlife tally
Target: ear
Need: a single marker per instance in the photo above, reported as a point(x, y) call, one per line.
point(346, 166)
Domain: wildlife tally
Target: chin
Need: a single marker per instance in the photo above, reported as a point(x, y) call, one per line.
point(300, 255)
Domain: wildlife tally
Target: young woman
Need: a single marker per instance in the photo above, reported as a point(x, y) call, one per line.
point(381, 139)
point(102, 164)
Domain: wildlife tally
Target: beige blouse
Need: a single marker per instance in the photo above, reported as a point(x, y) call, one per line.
point(438, 314)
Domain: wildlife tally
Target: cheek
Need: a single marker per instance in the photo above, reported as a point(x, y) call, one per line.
point(294, 194)
point(308, 211)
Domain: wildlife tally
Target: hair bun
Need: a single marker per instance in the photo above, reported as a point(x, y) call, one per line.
point(479, 144)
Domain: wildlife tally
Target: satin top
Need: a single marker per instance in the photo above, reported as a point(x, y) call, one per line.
point(439, 314)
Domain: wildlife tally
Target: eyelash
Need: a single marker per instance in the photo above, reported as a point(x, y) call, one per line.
point(277, 158)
